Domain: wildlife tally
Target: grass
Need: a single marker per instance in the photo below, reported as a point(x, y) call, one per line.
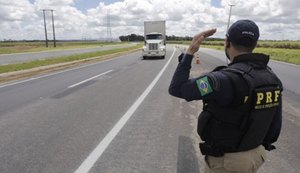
point(285, 55)
point(286, 51)
point(39, 63)
point(279, 44)
point(21, 47)
point(261, 43)
point(279, 54)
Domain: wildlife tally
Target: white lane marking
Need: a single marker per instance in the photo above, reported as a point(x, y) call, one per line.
point(84, 81)
point(88, 163)
point(52, 74)
point(15, 83)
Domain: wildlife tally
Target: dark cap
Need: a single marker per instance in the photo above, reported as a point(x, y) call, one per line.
point(244, 33)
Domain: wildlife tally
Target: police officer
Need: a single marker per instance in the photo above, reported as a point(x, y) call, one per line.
point(242, 106)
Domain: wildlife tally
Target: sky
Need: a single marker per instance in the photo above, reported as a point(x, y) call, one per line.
point(87, 19)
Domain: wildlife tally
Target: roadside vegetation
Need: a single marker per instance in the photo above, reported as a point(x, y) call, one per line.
point(85, 56)
point(286, 51)
point(10, 47)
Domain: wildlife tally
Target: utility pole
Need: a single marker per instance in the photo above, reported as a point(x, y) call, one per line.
point(108, 31)
point(45, 27)
point(231, 5)
point(53, 29)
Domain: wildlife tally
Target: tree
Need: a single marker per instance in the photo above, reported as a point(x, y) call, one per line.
point(131, 37)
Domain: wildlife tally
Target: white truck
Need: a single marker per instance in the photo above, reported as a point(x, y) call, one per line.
point(155, 39)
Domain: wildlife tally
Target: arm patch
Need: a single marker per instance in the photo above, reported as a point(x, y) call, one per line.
point(204, 86)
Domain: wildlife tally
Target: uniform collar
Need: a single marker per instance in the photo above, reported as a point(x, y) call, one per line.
point(251, 57)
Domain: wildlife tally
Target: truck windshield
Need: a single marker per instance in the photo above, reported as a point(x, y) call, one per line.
point(154, 37)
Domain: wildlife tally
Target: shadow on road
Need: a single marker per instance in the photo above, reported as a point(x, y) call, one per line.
point(152, 58)
point(187, 161)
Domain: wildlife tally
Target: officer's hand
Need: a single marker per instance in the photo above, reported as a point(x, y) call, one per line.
point(197, 40)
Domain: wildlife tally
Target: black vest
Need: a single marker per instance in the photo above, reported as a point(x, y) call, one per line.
point(244, 124)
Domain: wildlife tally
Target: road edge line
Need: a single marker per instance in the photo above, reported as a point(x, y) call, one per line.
point(89, 162)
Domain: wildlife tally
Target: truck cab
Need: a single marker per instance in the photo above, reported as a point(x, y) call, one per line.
point(155, 39)
point(154, 45)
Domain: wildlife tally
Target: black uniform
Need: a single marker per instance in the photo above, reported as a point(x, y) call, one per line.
point(242, 103)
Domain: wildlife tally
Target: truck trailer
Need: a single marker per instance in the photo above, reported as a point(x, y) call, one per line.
point(155, 39)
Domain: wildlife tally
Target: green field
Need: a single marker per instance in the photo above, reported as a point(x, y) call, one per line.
point(287, 51)
point(286, 55)
point(20, 47)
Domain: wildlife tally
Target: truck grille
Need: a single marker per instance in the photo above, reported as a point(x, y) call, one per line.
point(153, 46)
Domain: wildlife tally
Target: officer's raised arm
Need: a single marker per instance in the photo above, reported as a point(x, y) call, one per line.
point(197, 40)
point(180, 82)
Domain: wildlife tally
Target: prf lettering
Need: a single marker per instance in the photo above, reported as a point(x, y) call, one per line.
point(267, 97)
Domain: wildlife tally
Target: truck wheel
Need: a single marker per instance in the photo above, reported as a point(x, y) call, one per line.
point(144, 57)
point(163, 57)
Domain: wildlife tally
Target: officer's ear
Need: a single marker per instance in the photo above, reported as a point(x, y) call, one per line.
point(227, 43)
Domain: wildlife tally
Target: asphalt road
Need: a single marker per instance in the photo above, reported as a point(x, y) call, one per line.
point(116, 116)
point(25, 57)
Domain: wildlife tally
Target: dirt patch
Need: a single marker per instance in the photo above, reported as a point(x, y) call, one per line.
point(6, 77)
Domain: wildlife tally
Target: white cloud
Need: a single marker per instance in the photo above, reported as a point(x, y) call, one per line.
point(16, 10)
point(277, 19)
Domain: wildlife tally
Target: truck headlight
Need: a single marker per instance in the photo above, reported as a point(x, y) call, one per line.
point(162, 48)
point(144, 48)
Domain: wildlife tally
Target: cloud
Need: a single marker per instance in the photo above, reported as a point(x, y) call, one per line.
point(277, 19)
point(16, 11)
point(14, 17)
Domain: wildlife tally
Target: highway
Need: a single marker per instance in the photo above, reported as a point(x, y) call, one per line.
point(117, 116)
point(30, 56)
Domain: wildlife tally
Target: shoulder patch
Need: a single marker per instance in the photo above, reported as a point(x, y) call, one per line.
point(204, 86)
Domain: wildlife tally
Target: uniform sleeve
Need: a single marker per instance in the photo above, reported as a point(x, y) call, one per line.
point(212, 86)
point(274, 129)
